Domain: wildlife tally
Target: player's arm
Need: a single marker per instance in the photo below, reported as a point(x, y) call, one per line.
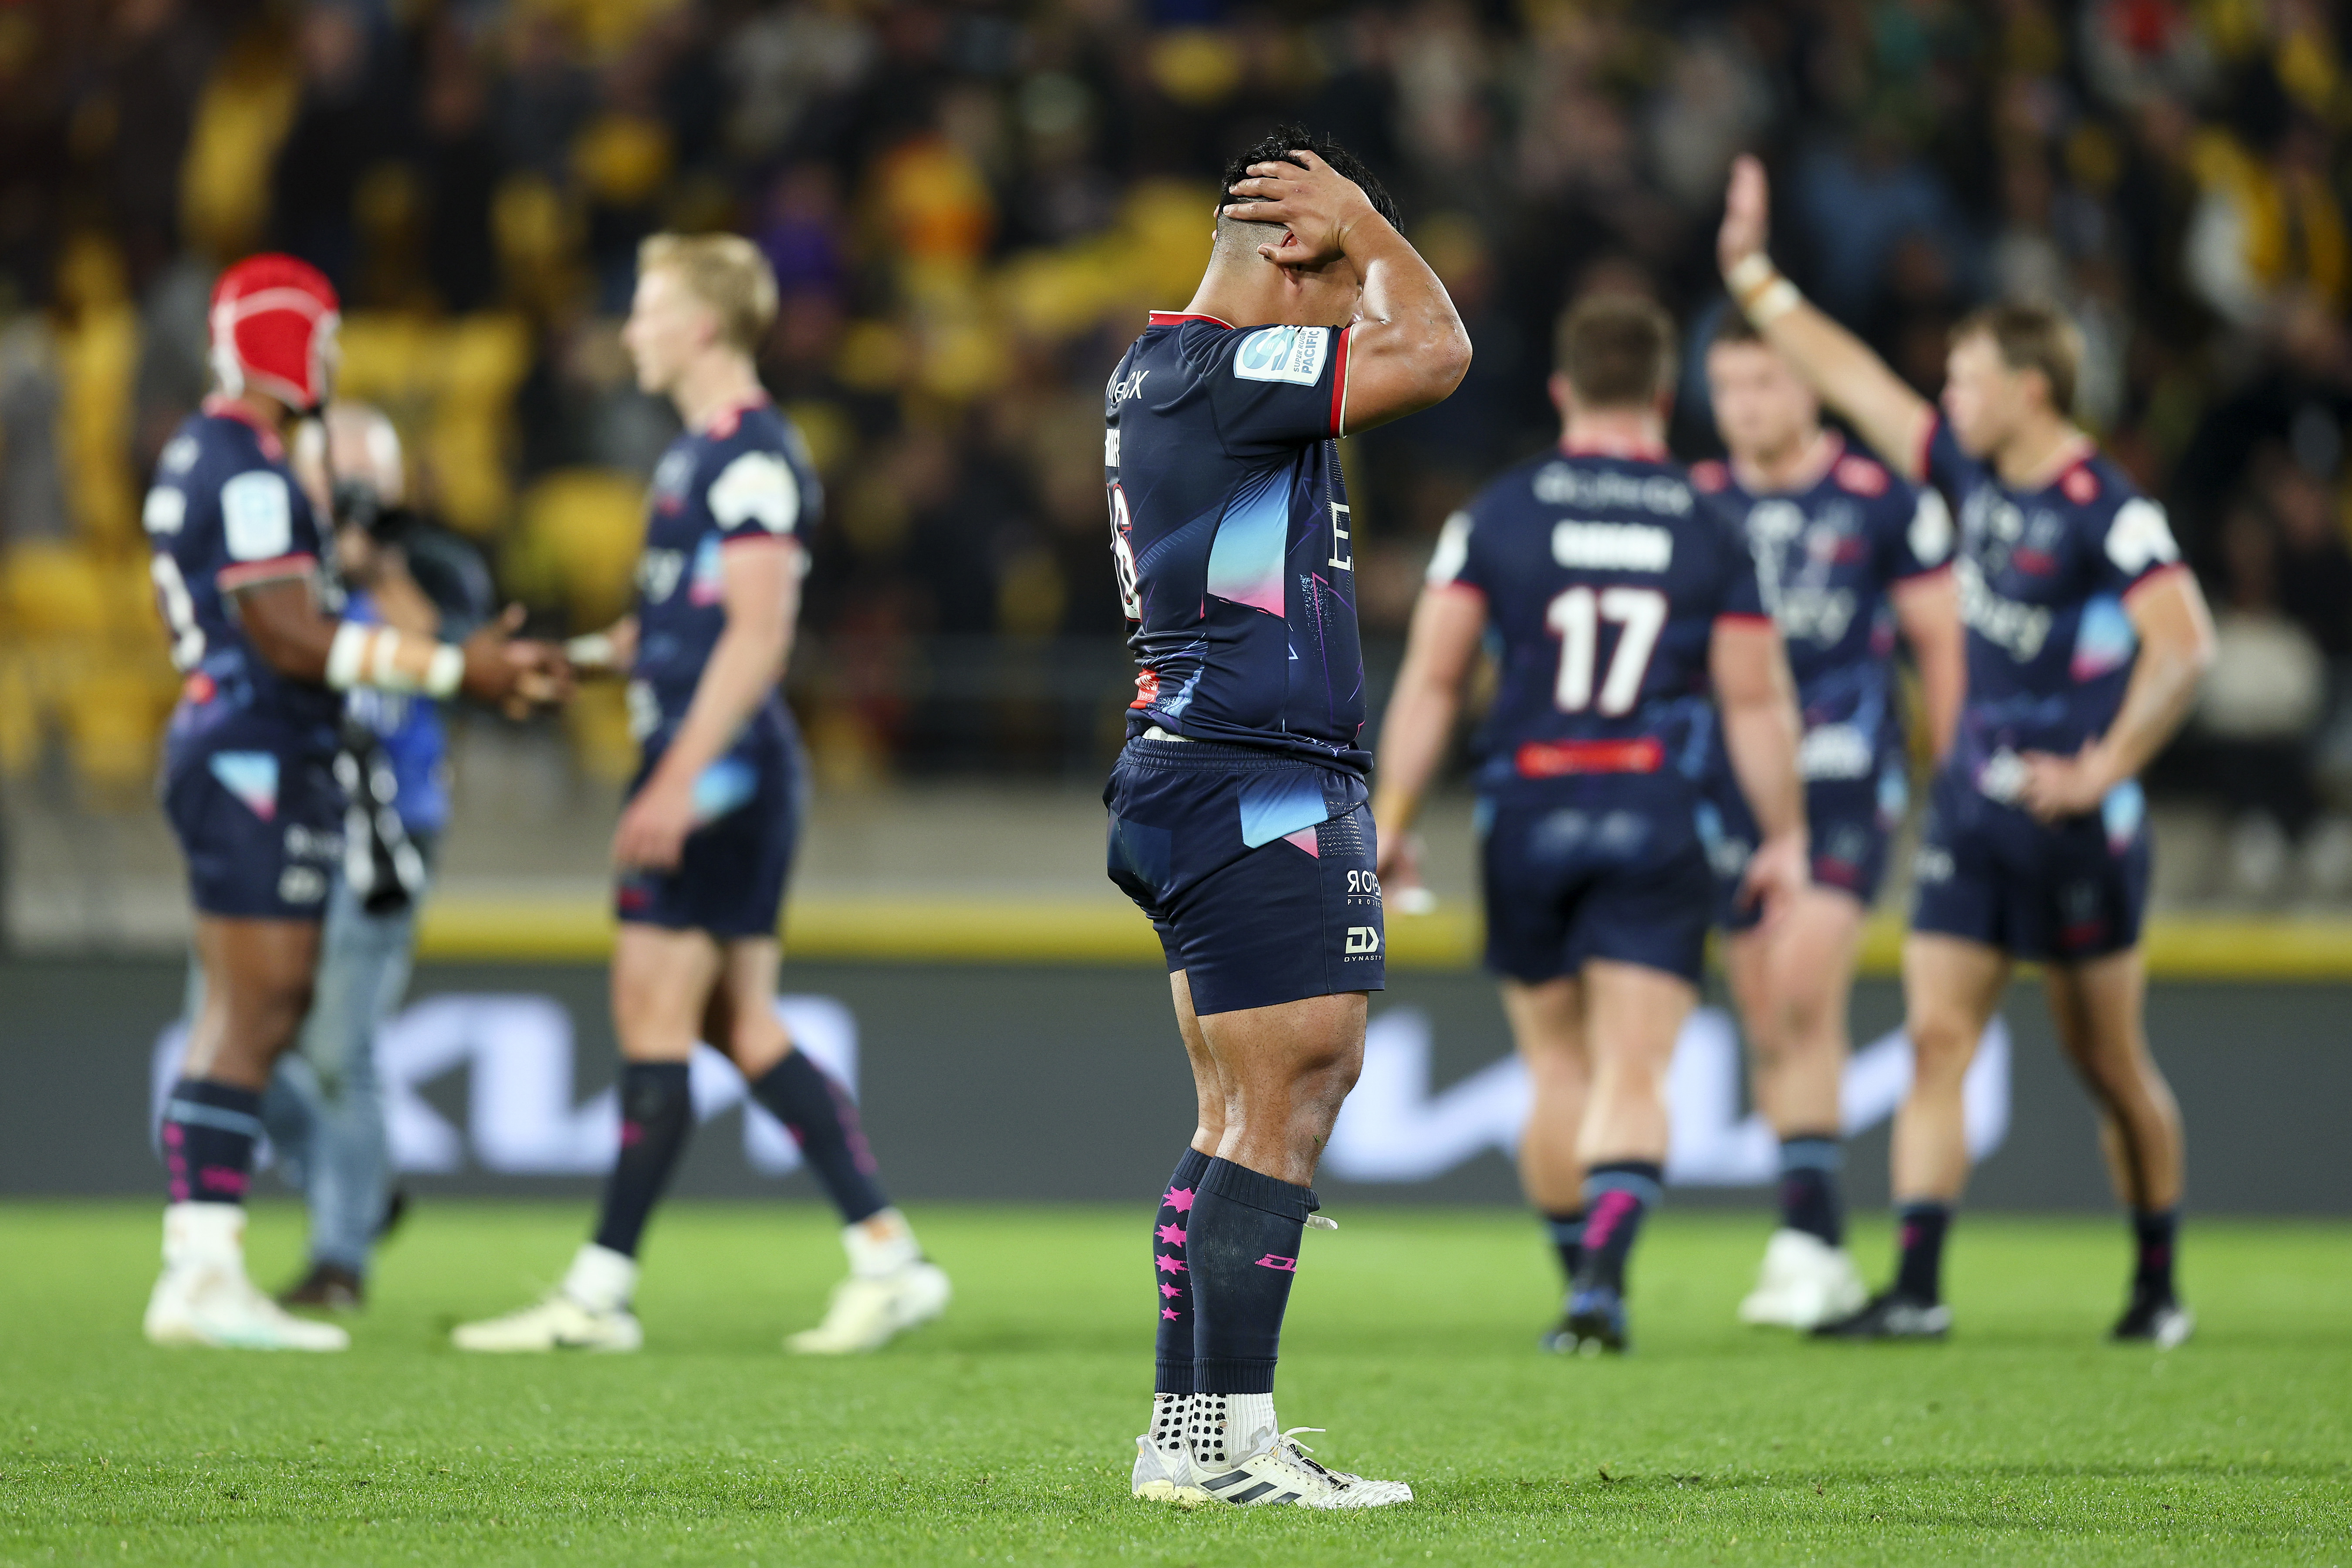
point(609, 652)
point(1439, 649)
point(282, 620)
point(1928, 608)
point(1850, 378)
point(2176, 647)
point(759, 589)
point(1758, 698)
point(1407, 348)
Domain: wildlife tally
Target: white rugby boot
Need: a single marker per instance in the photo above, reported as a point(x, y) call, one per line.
point(1163, 1463)
point(1804, 1283)
point(1239, 1458)
point(204, 1299)
point(589, 1311)
point(891, 1288)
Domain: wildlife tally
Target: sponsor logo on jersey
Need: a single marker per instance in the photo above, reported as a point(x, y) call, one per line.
point(1363, 940)
point(1612, 546)
point(1565, 484)
point(1295, 354)
point(301, 885)
point(2020, 629)
point(167, 510)
point(1120, 391)
point(1834, 751)
point(658, 572)
point(1111, 448)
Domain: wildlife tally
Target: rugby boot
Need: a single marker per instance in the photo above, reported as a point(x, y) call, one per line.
point(327, 1287)
point(1163, 1464)
point(1890, 1315)
point(867, 1313)
point(204, 1299)
point(2155, 1318)
point(589, 1311)
point(1804, 1283)
point(1267, 1467)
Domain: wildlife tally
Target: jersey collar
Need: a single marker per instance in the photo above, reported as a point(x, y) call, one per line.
point(2068, 457)
point(1632, 451)
point(221, 406)
point(1178, 318)
point(1829, 447)
point(726, 416)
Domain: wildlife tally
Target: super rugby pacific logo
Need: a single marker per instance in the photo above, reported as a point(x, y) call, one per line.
point(1295, 354)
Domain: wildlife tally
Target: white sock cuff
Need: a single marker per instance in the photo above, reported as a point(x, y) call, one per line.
point(880, 1244)
point(601, 1278)
point(207, 1232)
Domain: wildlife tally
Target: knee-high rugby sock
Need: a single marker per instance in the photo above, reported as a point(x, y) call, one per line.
point(1567, 1232)
point(2155, 1231)
point(1810, 1164)
point(1617, 1195)
point(1920, 1235)
point(209, 1130)
point(656, 1115)
point(1242, 1253)
point(822, 1120)
point(1171, 1277)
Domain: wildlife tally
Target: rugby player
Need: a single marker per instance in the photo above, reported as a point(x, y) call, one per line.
point(238, 559)
point(1846, 554)
point(2086, 641)
point(705, 844)
point(1619, 598)
point(1238, 819)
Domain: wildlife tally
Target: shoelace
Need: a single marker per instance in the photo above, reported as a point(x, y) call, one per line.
point(1300, 1451)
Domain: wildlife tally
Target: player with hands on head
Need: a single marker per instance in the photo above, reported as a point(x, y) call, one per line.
point(1629, 622)
point(2086, 640)
point(241, 568)
point(705, 843)
point(1847, 556)
point(1238, 809)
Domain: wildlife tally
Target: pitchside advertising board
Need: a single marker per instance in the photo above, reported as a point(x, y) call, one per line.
point(1034, 1083)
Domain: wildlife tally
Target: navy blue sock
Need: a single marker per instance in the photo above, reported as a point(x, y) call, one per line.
point(1810, 1164)
point(1242, 1252)
point(822, 1120)
point(2155, 1232)
point(1919, 1249)
point(1171, 1277)
point(209, 1130)
point(1616, 1196)
point(1568, 1237)
point(656, 1115)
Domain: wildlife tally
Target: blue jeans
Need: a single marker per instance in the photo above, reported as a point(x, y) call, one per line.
point(324, 1109)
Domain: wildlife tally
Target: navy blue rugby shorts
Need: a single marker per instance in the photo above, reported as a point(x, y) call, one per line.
point(1851, 823)
point(2062, 892)
point(262, 831)
point(1566, 883)
point(1255, 868)
point(730, 880)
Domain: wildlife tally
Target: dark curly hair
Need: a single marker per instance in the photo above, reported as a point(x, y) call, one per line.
point(1276, 146)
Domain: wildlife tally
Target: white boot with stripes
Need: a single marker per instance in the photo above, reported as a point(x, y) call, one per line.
point(1239, 1457)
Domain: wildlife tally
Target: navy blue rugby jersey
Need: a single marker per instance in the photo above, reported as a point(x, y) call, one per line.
point(224, 513)
point(2042, 577)
point(1826, 559)
point(1230, 528)
point(744, 477)
point(1604, 575)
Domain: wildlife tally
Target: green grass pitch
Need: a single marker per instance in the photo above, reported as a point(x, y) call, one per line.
point(1004, 1434)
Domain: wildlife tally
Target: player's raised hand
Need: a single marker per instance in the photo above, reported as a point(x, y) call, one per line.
point(1747, 214)
point(1317, 207)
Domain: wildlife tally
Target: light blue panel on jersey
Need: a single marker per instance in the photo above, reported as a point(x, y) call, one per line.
point(1245, 562)
point(1277, 804)
point(724, 786)
point(252, 777)
point(2104, 640)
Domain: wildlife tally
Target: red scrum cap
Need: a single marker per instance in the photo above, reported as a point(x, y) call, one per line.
point(273, 329)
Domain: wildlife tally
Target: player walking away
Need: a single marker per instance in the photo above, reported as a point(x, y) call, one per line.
point(1846, 554)
point(248, 782)
point(705, 845)
point(2085, 642)
point(1237, 809)
point(323, 1109)
point(1619, 597)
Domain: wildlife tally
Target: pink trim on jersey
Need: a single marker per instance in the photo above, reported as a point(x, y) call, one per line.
point(1339, 386)
point(1742, 618)
point(221, 406)
point(724, 418)
point(1178, 318)
point(2153, 575)
point(1458, 586)
point(728, 542)
point(1632, 451)
point(245, 573)
point(1926, 442)
point(1925, 573)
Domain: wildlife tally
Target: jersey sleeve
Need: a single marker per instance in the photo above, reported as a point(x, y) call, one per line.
point(753, 493)
point(1738, 591)
point(1942, 462)
point(2134, 545)
point(1273, 387)
point(1915, 532)
point(1455, 563)
point(267, 529)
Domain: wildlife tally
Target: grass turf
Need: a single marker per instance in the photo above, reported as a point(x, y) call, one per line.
point(1003, 1433)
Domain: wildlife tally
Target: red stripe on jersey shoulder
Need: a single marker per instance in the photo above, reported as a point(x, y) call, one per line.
point(221, 407)
point(1857, 475)
point(2152, 576)
point(1742, 618)
point(1927, 443)
point(724, 421)
point(1178, 318)
point(1340, 385)
point(1710, 476)
point(729, 541)
point(245, 573)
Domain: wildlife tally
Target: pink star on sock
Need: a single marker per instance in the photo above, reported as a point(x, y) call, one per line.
point(1167, 1265)
point(1170, 1291)
point(1179, 1199)
point(1173, 1235)
point(1169, 1313)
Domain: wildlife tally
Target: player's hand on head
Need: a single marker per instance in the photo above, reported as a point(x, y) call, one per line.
point(1315, 205)
point(1747, 214)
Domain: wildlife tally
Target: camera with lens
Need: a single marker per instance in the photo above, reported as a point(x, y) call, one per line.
point(359, 504)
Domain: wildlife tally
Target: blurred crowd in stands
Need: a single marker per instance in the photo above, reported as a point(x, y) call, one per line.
point(969, 206)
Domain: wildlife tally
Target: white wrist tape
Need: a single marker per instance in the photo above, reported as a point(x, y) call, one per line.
point(347, 654)
point(592, 651)
point(1750, 273)
point(1761, 293)
point(1779, 297)
point(445, 670)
